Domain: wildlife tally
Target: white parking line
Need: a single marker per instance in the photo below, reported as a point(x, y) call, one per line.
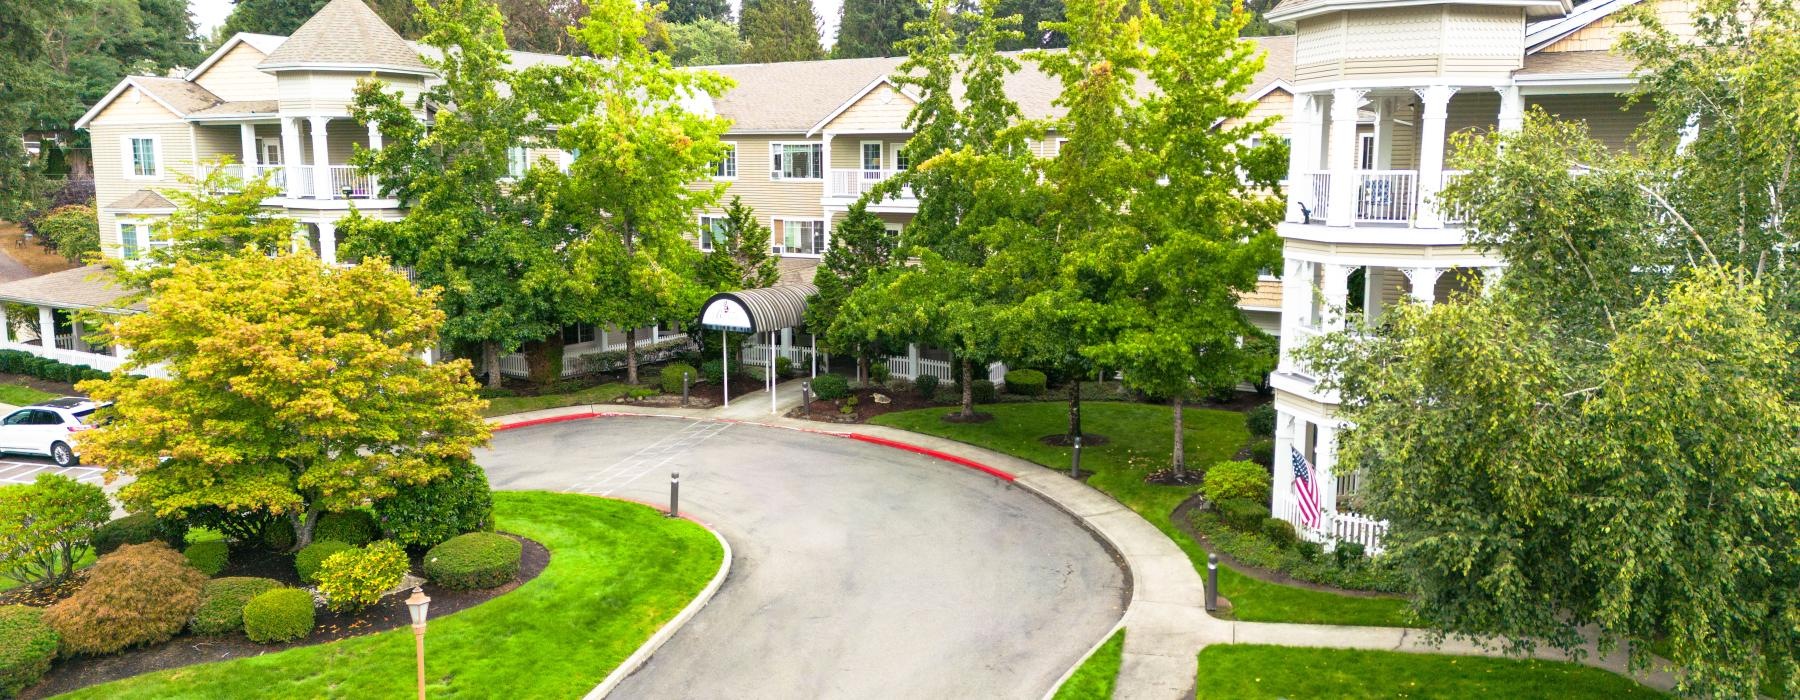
point(652, 457)
point(26, 472)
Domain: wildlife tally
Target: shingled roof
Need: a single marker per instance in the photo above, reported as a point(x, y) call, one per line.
point(182, 96)
point(345, 34)
point(1573, 63)
point(90, 287)
point(141, 200)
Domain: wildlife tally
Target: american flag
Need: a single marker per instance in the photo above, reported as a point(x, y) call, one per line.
point(1307, 490)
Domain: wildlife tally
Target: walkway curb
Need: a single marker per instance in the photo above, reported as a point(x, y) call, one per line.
point(642, 655)
point(945, 456)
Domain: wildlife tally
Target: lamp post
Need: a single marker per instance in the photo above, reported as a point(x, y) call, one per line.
point(416, 604)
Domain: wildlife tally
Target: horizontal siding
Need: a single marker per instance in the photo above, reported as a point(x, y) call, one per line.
point(1473, 109)
point(133, 106)
point(110, 183)
point(772, 197)
point(1467, 65)
point(212, 141)
point(235, 77)
point(1606, 118)
point(884, 109)
point(846, 152)
point(332, 93)
point(1278, 104)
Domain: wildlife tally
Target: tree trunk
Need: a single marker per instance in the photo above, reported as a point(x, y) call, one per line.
point(631, 357)
point(490, 363)
point(303, 527)
point(968, 389)
point(1180, 455)
point(862, 370)
point(1075, 411)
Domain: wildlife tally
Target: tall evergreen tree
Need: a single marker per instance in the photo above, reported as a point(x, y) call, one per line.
point(705, 42)
point(1037, 24)
point(862, 248)
point(873, 27)
point(780, 30)
point(740, 257)
point(278, 17)
point(689, 11)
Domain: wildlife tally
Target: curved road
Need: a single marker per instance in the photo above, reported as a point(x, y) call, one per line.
point(859, 571)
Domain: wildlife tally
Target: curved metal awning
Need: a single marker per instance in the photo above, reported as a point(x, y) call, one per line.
point(757, 310)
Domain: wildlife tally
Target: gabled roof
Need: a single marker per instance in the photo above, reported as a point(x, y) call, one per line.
point(346, 34)
point(174, 94)
point(89, 287)
point(1539, 35)
point(264, 44)
point(142, 200)
point(790, 97)
point(847, 104)
point(1290, 11)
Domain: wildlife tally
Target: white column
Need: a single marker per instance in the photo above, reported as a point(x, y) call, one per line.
point(1282, 489)
point(46, 328)
point(1325, 470)
point(1384, 133)
point(1424, 283)
point(1342, 152)
point(5, 326)
point(1371, 295)
point(321, 156)
point(1490, 278)
point(1512, 108)
point(247, 137)
point(75, 334)
point(374, 145)
point(912, 360)
point(1303, 156)
point(655, 332)
point(290, 155)
point(1431, 152)
point(1336, 290)
point(1296, 298)
point(1690, 132)
point(328, 242)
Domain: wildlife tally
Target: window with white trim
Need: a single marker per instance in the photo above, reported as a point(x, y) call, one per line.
point(871, 156)
point(712, 231)
point(796, 161)
point(726, 167)
point(900, 161)
point(129, 240)
point(138, 237)
point(800, 236)
point(518, 160)
point(576, 333)
point(143, 157)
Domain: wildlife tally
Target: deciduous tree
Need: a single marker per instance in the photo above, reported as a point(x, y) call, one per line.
point(862, 249)
point(780, 30)
point(45, 526)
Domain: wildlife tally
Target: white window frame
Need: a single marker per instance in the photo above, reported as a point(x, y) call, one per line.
point(516, 169)
point(862, 155)
point(778, 235)
point(144, 230)
point(139, 238)
point(703, 235)
point(899, 158)
point(130, 159)
point(777, 149)
point(1365, 159)
point(726, 169)
point(1057, 147)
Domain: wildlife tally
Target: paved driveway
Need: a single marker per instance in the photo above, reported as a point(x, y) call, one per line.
point(860, 571)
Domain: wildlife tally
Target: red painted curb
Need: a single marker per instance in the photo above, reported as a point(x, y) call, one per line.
point(964, 461)
point(543, 421)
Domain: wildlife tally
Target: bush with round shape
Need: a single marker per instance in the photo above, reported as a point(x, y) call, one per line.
point(1260, 421)
point(1025, 382)
point(1233, 479)
point(356, 578)
point(424, 515)
point(278, 535)
point(670, 381)
point(1279, 531)
point(784, 367)
point(46, 525)
point(353, 527)
point(279, 615)
point(879, 372)
point(222, 603)
point(27, 646)
point(1241, 513)
point(474, 560)
point(713, 371)
point(208, 557)
point(1263, 452)
point(137, 528)
point(926, 385)
point(830, 387)
point(139, 594)
point(307, 562)
point(981, 390)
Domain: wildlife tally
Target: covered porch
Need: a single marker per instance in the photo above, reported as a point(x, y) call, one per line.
point(39, 315)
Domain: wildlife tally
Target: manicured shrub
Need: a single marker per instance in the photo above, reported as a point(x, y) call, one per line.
point(46, 525)
point(353, 527)
point(222, 603)
point(474, 560)
point(307, 562)
point(424, 515)
point(982, 391)
point(21, 362)
point(670, 380)
point(1025, 382)
point(137, 528)
point(784, 367)
point(1348, 554)
point(278, 535)
point(139, 594)
point(830, 387)
point(279, 615)
point(27, 646)
point(926, 385)
point(354, 579)
point(879, 373)
point(713, 371)
point(1263, 452)
point(1309, 551)
point(1279, 531)
point(1242, 513)
point(208, 557)
point(1228, 480)
point(1260, 421)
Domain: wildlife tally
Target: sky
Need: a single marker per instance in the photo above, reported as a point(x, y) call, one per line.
point(211, 13)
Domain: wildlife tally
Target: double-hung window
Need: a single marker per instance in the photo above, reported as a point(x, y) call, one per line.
point(142, 157)
point(797, 161)
point(801, 236)
point(712, 232)
point(130, 238)
point(726, 168)
point(517, 161)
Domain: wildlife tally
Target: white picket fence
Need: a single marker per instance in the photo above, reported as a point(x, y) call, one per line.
point(901, 366)
point(757, 355)
point(1335, 526)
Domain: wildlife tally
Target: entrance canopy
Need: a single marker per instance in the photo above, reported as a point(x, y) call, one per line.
point(757, 310)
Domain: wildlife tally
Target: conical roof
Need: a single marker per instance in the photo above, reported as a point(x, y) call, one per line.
point(345, 34)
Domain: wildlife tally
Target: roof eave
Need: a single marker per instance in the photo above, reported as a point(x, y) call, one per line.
point(345, 68)
point(1287, 19)
point(127, 81)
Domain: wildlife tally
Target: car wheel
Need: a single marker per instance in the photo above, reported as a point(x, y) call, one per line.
point(62, 455)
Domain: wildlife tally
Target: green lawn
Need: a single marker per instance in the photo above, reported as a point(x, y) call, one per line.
point(1248, 671)
point(503, 405)
point(1097, 675)
point(617, 572)
point(23, 395)
point(1140, 441)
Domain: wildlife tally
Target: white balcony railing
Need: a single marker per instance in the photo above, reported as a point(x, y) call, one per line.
point(302, 177)
point(1387, 196)
point(1319, 196)
point(1453, 214)
point(349, 179)
point(856, 183)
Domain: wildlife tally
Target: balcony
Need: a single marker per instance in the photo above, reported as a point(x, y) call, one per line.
point(1383, 197)
point(344, 181)
point(852, 184)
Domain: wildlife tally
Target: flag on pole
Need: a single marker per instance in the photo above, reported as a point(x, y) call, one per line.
point(1307, 491)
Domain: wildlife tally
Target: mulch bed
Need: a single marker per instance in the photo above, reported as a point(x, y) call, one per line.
point(58, 388)
point(188, 649)
point(866, 406)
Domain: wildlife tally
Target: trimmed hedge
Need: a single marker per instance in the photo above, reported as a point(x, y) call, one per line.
point(1263, 452)
point(982, 391)
point(137, 528)
point(307, 562)
point(474, 560)
point(670, 380)
point(1025, 382)
point(879, 372)
point(280, 615)
point(27, 646)
point(1279, 531)
point(278, 535)
point(353, 527)
point(209, 557)
point(139, 594)
point(1241, 513)
point(926, 385)
point(222, 603)
point(784, 367)
point(713, 371)
point(1229, 480)
point(424, 515)
point(830, 387)
point(1260, 421)
point(21, 362)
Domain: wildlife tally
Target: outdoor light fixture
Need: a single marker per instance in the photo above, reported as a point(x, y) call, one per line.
point(416, 605)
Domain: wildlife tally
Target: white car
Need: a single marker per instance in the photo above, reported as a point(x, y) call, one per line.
point(48, 428)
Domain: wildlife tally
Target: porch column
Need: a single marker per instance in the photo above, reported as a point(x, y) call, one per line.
point(656, 332)
point(825, 154)
point(1431, 152)
point(1326, 470)
point(1344, 104)
point(1490, 278)
point(247, 146)
point(290, 156)
point(1690, 132)
point(912, 360)
point(321, 171)
point(328, 242)
point(374, 145)
point(1336, 290)
point(1371, 295)
point(75, 341)
point(1303, 156)
point(1424, 283)
point(47, 327)
point(1282, 489)
point(1384, 133)
point(1512, 108)
point(1296, 299)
